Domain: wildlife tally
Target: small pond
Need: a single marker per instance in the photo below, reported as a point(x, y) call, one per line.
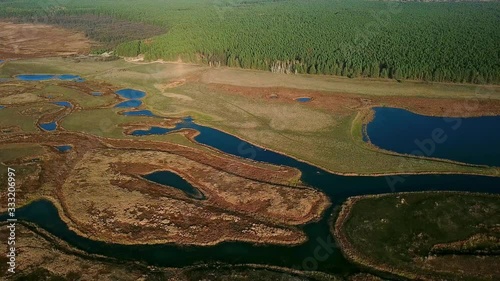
point(131, 94)
point(171, 179)
point(64, 148)
point(96, 94)
point(49, 127)
point(63, 103)
point(303, 99)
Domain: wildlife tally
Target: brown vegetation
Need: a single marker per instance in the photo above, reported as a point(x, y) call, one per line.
point(38, 40)
point(97, 186)
point(344, 104)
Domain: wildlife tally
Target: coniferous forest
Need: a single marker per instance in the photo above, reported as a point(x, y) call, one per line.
point(437, 41)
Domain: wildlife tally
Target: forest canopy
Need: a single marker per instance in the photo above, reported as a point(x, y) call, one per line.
point(444, 42)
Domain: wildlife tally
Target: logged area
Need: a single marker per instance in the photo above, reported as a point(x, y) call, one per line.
point(30, 40)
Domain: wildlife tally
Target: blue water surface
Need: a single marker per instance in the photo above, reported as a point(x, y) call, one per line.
point(131, 93)
point(129, 104)
point(471, 140)
point(303, 99)
point(49, 127)
point(35, 77)
point(63, 103)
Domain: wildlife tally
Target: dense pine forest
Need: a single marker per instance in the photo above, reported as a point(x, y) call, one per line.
point(444, 42)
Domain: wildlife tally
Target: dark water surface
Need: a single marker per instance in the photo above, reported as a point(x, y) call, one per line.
point(64, 148)
point(471, 140)
point(171, 179)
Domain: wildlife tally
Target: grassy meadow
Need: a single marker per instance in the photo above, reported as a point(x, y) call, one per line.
point(324, 138)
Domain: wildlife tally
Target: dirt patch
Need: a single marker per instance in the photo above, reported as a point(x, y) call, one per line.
point(38, 40)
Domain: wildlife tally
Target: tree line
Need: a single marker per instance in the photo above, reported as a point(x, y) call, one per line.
point(444, 42)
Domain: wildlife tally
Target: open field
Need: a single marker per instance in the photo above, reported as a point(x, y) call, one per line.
point(35, 40)
point(452, 236)
point(326, 130)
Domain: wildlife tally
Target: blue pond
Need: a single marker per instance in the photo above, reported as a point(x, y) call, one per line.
point(63, 103)
point(48, 126)
point(470, 140)
point(2, 107)
point(2, 61)
point(97, 94)
point(303, 99)
point(139, 113)
point(64, 148)
point(35, 77)
point(131, 94)
point(129, 104)
point(45, 77)
point(170, 179)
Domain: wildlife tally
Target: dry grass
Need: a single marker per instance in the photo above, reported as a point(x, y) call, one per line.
point(38, 40)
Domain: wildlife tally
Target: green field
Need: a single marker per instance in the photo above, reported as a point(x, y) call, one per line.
point(455, 42)
point(398, 231)
point(326, 139)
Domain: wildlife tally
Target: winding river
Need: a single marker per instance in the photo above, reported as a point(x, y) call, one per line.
point(337, 187)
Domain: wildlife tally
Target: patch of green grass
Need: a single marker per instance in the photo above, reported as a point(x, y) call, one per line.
point(103, 122)
point(319, 137)
point(85, 100)
point(11, 152)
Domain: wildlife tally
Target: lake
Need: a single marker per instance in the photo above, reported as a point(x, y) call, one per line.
point(473, 140)
point(170, 179)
